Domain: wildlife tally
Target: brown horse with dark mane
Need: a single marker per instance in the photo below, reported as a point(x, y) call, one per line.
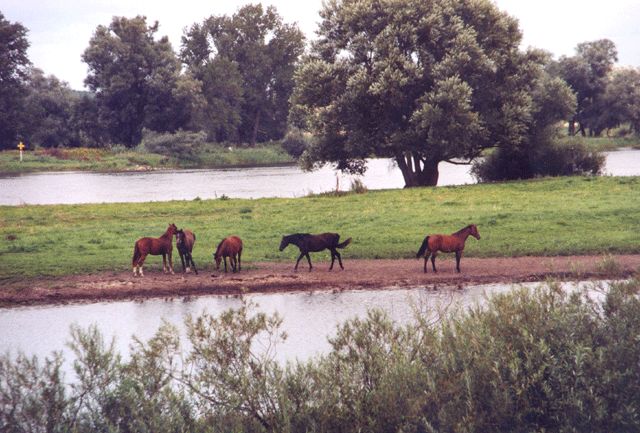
point(185, 240)
point(313, 243)
point(453, 243)
point(154, 246)
point(229, 247)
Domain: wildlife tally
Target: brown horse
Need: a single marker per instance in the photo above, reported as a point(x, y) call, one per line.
point(313, 243)
point(453, 243)
point(185, 239)
point(154, 246)
point(229, 247)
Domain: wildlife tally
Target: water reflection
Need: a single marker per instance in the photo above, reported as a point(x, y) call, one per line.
point(309, 318)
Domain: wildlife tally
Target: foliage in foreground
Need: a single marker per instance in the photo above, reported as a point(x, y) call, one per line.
point(529, 360)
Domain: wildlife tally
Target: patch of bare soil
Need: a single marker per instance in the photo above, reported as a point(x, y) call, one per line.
point(280, 277)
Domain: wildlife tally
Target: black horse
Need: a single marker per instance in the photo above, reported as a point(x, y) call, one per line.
point(185, 239)
point(314, 243)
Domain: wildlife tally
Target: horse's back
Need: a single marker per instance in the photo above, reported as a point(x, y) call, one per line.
point(153, 246)
point(230, 245)
point(445, 243)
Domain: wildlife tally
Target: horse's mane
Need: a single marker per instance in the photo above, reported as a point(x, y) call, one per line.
point(463, 229)
point(219, 245)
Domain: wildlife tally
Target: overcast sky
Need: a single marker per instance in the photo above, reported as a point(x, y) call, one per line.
point(59, 30)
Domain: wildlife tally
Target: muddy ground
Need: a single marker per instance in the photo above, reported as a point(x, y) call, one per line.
point(279, 277)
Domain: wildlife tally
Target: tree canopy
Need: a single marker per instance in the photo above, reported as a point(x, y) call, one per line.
point(418, 81)
point(134, 77)
point(246, 63)
point(14, 67)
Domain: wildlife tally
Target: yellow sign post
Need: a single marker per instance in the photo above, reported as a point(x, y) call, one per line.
point(21, 147)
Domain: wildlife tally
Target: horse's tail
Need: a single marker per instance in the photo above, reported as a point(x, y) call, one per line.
point(344, 244)
point(423, 247)
point(136, 255)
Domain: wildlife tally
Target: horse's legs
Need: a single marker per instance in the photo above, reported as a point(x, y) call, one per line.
point(309, 260)
point(335, 253)
point(190, 259)
point(298, 261)
point(458, 256)
point(184, 268)
point(426, 259)
point(170, 262)
point(164, 263)
point(239, 261)
point(232, 261)
point(225, 263)
point(433, 261)
point(140, 263)
point(333, 259)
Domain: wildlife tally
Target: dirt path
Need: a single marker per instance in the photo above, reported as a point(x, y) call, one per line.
point(279, 277)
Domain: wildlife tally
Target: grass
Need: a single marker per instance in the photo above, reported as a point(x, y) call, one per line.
point(603, 144)
point(560, 216)
point(120, 159)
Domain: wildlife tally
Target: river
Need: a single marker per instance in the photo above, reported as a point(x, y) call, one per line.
point(308, 318)
point(288, 181)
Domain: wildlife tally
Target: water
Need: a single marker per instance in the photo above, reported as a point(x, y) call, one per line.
point(81, 187)
point(309, 318)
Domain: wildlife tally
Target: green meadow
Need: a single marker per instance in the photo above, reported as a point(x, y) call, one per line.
point(546, 217)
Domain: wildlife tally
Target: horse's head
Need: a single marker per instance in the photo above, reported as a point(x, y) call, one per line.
point(474, 231)
point(179, 237)
point(284, 242)
point(172, 229)
point(218, 260)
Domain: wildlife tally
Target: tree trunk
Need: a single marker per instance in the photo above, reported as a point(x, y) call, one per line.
point(417, 171)
point(256, 126)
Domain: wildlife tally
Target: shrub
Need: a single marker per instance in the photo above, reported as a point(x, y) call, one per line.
point(295, 142)
point(180, 145)
point(556, 158)
point(528, 360)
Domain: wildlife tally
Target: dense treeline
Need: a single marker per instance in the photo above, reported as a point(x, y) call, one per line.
point(450, 86)
point(529, 360)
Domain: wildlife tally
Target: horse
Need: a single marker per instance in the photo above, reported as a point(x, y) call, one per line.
point(453, 243)
point(313, 243)
point(185, 239)
point(154, 246)
point(229, 247)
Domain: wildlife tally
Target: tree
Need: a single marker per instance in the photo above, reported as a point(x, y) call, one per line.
point(48, 111)
point(134, 77)
point(14, 65)
point(260, 53)
point(418, 81)
point(587, 73)
point(621, 100)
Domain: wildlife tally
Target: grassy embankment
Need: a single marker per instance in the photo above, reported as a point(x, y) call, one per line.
point(122, 159)
point(547, 217)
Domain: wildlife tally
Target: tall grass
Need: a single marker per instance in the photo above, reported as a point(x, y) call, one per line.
point(560, 216)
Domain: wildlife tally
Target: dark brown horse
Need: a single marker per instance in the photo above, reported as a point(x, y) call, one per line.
point(154, 246)
point(185, 239)
point(308, 243)
point(453, 243)
point(229, 247)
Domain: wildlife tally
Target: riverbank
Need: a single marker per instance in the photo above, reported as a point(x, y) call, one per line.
point(546, 217)
point(280, 277)
point(120, 159)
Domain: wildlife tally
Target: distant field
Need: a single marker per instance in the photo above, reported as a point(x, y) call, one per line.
point(86, 159)
point(563, 216)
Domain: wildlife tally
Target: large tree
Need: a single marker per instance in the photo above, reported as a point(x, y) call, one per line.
point(134, 77)
point(259, 53)
point(14, 67)
point(420, 81)
point(588, 74)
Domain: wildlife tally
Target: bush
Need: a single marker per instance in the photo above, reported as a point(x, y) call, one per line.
point(528, 360)
point(295, 142)
point(180, 145)
point(566, 158)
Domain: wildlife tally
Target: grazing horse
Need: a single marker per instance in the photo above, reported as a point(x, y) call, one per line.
point(453, 243)
point(154, 246)
point(185, 239)
point(314, 243)
point(229, 247)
